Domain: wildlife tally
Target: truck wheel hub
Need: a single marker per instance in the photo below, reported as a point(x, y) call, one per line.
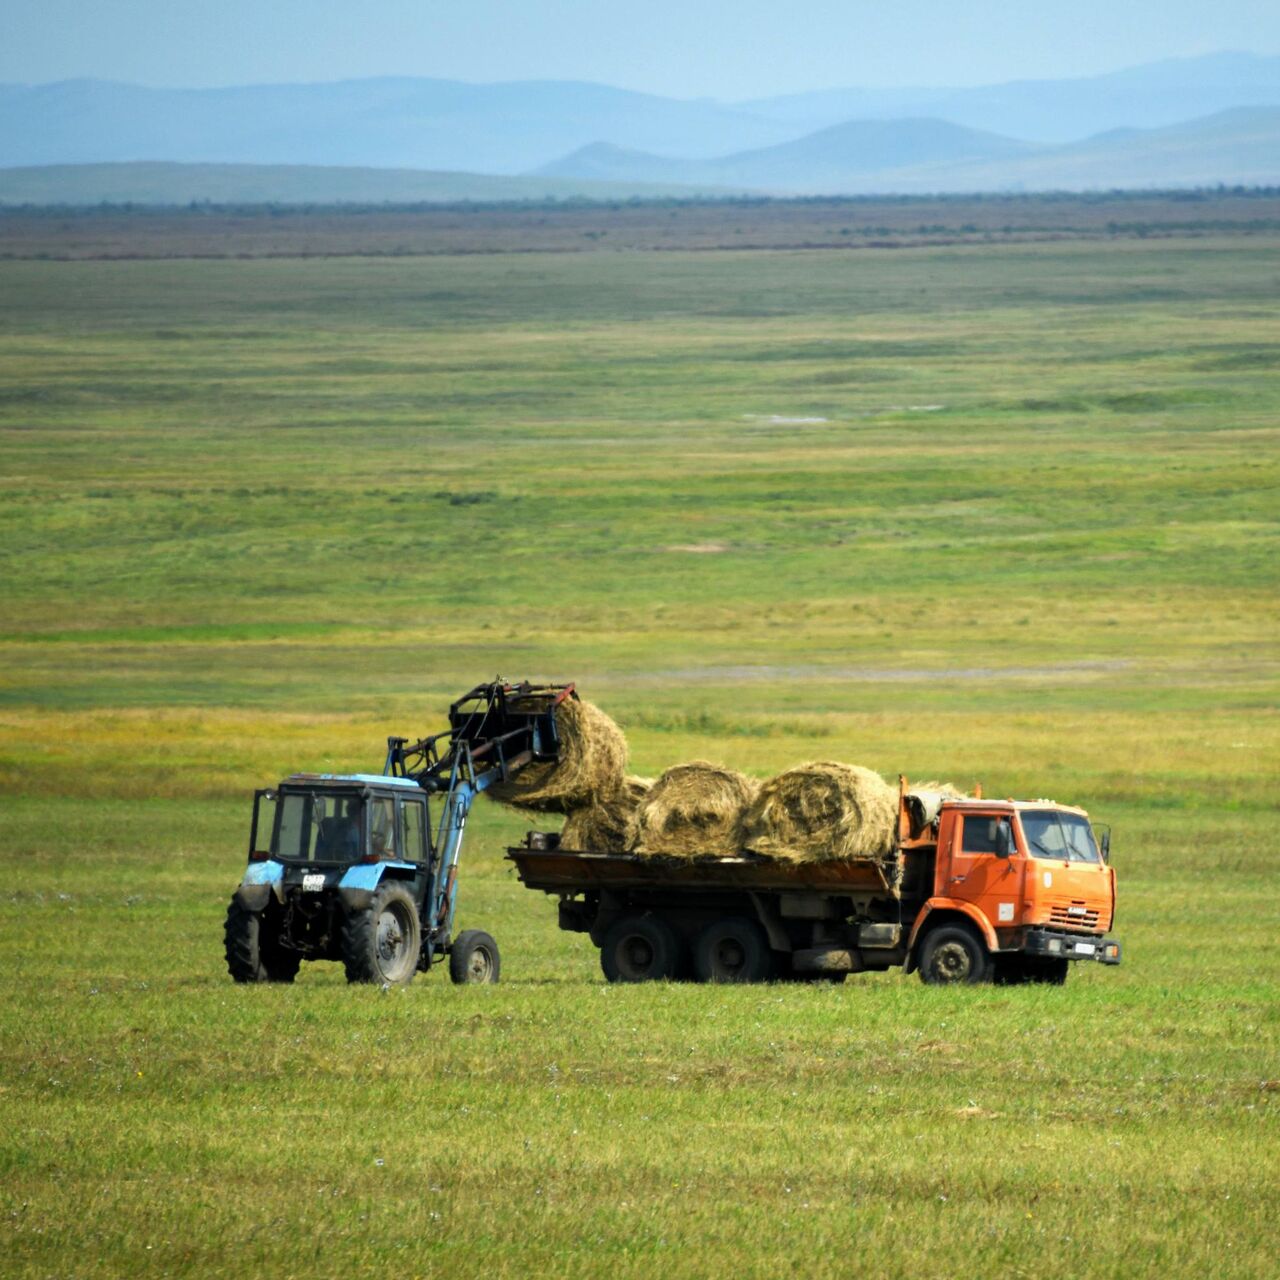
point(635, 956)
point(952, 961)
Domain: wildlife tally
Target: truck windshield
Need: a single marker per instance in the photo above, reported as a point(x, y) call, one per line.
point(1051, 834)
point(318, 827)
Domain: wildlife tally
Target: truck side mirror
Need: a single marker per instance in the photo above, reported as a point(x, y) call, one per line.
point(1002, 840)
point(1106, 846)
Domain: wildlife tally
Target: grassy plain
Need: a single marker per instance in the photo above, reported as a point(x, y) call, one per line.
point(1003, 512)
point(123, 231)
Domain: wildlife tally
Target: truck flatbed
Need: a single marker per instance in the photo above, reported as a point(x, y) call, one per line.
point(568, 871)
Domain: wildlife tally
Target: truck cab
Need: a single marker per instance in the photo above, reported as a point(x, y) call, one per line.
point(1030, 878)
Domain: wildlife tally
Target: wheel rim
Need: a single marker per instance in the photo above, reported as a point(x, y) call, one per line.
point(480, 965)
point(731, 957)
point(635, 956)
point(952, 962)
point(394, 933)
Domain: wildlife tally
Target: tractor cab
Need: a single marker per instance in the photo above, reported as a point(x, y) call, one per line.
point(336, 820)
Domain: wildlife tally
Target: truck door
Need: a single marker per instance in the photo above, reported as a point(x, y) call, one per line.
point(986, 869)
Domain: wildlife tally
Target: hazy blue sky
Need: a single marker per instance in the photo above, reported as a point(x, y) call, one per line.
point(691, 48)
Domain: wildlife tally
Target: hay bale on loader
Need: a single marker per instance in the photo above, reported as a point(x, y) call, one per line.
point(694, 809)
point(823, 812)
point(606, 826)
point(592, 766)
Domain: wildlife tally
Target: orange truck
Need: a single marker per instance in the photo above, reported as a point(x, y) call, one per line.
point(975, 890)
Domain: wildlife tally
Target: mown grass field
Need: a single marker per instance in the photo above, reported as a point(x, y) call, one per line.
point(1004, 513)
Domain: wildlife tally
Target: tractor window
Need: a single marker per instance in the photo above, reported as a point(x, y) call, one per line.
point(319, 827)
point(413, 847)
point(1051, 834)
point(264, 822)
point(382, 828)
point(335, 822)
point(982, 834)
point(293, 837)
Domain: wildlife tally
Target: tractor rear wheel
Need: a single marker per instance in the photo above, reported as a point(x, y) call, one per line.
point(254, 953)
point(382, 943)
point(474, 958)
point(640, 949)
point(954, 954)
point(733, 950)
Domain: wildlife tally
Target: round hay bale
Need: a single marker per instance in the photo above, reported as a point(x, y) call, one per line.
point(823, 812)
point(592, 764)
point(947, 789)
point(605, 827)
point(694, 810)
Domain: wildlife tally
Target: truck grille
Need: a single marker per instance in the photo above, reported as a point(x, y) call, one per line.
point(1074, 915)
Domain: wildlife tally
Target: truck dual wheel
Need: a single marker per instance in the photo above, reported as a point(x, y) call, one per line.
point(734, 950)
point(254, 953)
point(474, 958)
point(382, 943)
point(640, 949)
point(953, 953)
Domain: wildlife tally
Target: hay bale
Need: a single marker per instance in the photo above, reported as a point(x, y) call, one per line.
point(592, 765)
point(606, 826)
point(823, 812)
point(924, 802)
point(946, 789)
point(694, 809)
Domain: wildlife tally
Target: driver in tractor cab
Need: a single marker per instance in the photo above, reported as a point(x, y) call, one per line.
point(339, 836)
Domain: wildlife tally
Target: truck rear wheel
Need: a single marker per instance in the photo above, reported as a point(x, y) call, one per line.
point(254, 953)
point(474, 958)
point(382, 943)
point(954, 954)
point(734, 950)
point(640, 949)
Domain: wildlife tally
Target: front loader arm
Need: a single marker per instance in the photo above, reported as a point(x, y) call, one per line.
point(494, 732)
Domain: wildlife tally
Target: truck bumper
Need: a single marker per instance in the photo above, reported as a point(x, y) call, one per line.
point(1058, 945)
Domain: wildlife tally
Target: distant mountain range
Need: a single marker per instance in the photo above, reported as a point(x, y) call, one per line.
point(843, 158)
point(1195, 121)
point(1239, 146)
point(385, 123)
point(1145, 97)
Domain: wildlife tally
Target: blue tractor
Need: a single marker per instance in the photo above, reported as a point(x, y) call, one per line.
point(363, 867)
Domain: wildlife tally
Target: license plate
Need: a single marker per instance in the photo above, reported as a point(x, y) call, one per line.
point(1085, 948)
point(313, 884)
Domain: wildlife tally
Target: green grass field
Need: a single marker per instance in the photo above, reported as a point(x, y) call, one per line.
point(1003, 513)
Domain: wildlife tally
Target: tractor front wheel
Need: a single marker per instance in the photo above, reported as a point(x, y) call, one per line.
point(474, 958)
point(254, 953)
point(382, 943)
